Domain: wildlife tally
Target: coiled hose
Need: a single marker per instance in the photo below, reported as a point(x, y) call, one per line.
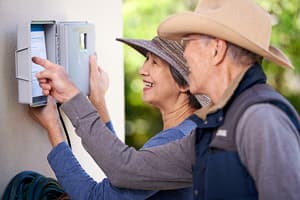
point(29, 185)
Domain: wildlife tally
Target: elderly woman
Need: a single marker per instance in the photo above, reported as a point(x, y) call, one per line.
point(165, 87)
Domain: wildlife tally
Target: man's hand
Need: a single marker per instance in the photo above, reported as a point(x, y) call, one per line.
point(54, 81)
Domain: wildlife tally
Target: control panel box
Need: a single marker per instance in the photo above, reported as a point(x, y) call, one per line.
point(68, 44)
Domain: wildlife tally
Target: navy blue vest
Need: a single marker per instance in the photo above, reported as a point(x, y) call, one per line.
point(218, 172)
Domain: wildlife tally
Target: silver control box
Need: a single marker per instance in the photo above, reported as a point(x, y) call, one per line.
point(68, 44)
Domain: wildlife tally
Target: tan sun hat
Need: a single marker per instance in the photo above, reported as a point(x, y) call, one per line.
point(241, 22)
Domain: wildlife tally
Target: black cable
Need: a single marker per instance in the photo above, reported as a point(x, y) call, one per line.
point(64, 125)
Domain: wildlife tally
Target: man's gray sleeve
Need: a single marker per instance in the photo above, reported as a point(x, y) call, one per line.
point(163, 167)
point(269, 147)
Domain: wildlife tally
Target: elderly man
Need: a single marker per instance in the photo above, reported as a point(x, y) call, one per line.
point(249, 149)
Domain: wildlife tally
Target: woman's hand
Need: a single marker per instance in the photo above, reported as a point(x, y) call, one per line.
point(48, 118)
point(99, 83)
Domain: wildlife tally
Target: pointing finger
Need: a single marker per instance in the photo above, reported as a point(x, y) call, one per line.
point(43, 62)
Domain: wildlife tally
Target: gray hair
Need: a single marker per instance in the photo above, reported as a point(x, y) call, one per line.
point(242, 56)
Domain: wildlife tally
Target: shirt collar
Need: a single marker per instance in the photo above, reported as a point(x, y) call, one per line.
point(249, 76)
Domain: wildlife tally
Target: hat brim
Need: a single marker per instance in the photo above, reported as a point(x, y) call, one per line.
point(178, 25)
point(137, 45)
point(144, 46)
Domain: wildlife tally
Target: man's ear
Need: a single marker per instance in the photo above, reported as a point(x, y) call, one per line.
point(219, 51)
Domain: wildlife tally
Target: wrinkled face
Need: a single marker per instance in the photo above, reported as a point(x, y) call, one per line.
point(197, 52)
point(159, 86)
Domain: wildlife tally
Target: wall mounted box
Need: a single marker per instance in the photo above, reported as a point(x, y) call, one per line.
point(68, 44)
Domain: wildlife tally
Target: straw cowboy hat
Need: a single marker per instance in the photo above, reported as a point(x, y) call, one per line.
point(241, 22)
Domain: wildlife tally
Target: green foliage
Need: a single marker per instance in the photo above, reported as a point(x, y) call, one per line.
point(286, 36)
point(141, 19)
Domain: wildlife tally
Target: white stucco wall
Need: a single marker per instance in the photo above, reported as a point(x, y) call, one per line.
point(23, 143)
